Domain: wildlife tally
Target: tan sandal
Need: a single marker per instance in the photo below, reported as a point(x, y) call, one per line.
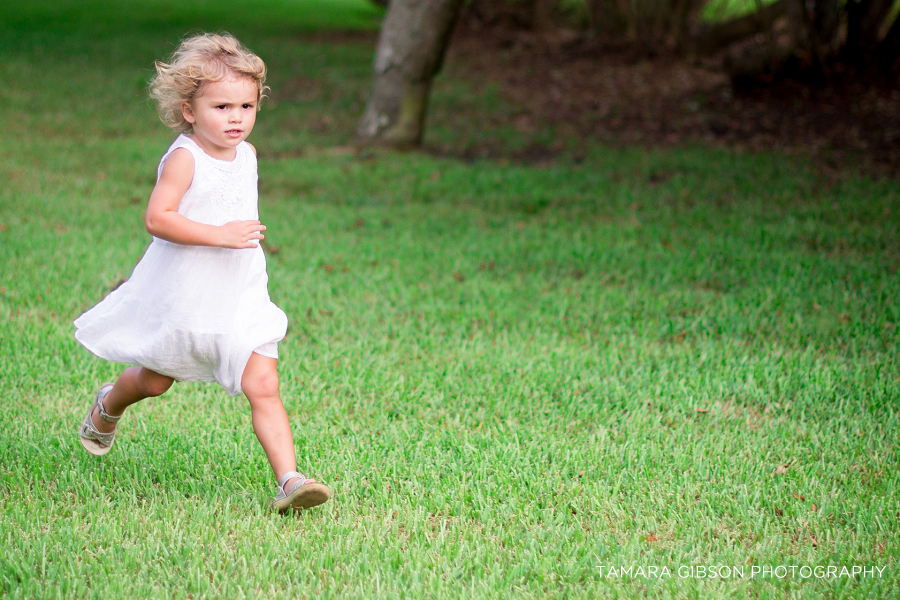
point(302, 494)
point(94, 441)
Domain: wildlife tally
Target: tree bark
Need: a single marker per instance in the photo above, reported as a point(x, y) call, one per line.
point(606, 17)
point(864, 20)
point(411, 47)
point(888, 51)
point(718, 36)
point(542, 14)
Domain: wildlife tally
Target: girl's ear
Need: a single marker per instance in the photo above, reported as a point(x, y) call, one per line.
point(187, 112)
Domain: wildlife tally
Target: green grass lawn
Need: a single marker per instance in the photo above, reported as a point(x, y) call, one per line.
point(509, 375)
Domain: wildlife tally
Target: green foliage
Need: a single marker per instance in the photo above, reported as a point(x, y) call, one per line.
point(508, 374)
point(722, 10)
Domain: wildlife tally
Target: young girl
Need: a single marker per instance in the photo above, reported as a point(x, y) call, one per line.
point(197, 307)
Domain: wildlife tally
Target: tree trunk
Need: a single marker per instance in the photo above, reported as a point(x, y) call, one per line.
point(686, 15)
point(607, 17)
point(864, 19)
point(542, 14)
point(411, 47)
point(718, 36)
point(819, 18)
point(596, 14)
point(888, 52)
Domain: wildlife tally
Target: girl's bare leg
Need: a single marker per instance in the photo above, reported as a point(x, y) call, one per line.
point(270, 423)
point(132, 386)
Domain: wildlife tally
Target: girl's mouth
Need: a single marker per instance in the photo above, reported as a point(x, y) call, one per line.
point(233, 133)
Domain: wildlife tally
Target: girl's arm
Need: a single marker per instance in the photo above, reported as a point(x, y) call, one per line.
point(163, 221)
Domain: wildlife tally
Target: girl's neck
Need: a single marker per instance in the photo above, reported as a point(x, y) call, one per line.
point(223, 154)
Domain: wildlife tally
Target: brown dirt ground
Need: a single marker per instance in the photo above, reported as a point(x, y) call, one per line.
point(587, 90)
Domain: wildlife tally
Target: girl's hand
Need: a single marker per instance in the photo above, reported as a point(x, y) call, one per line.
point(241, 234)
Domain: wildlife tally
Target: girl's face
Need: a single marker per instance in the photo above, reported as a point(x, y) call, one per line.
point(222, 115)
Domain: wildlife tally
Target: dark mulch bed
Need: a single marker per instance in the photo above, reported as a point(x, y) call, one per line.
point(586, 89)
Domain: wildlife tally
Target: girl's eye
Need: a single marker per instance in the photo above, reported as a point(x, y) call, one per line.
point(221, 107)
point(248, 106)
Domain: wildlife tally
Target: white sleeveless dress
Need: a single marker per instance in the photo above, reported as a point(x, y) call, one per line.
point(194, 313)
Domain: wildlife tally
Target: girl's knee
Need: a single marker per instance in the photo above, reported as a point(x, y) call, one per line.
point(261, 385)
point(153, 384)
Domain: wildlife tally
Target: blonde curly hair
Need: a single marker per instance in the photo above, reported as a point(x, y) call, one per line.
point(200, 59)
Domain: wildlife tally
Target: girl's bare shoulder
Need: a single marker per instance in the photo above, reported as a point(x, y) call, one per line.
point(179, 164)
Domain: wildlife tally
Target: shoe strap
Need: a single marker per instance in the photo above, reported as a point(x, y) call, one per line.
point(288, 476)
point(92, 433)
point(101, 411)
